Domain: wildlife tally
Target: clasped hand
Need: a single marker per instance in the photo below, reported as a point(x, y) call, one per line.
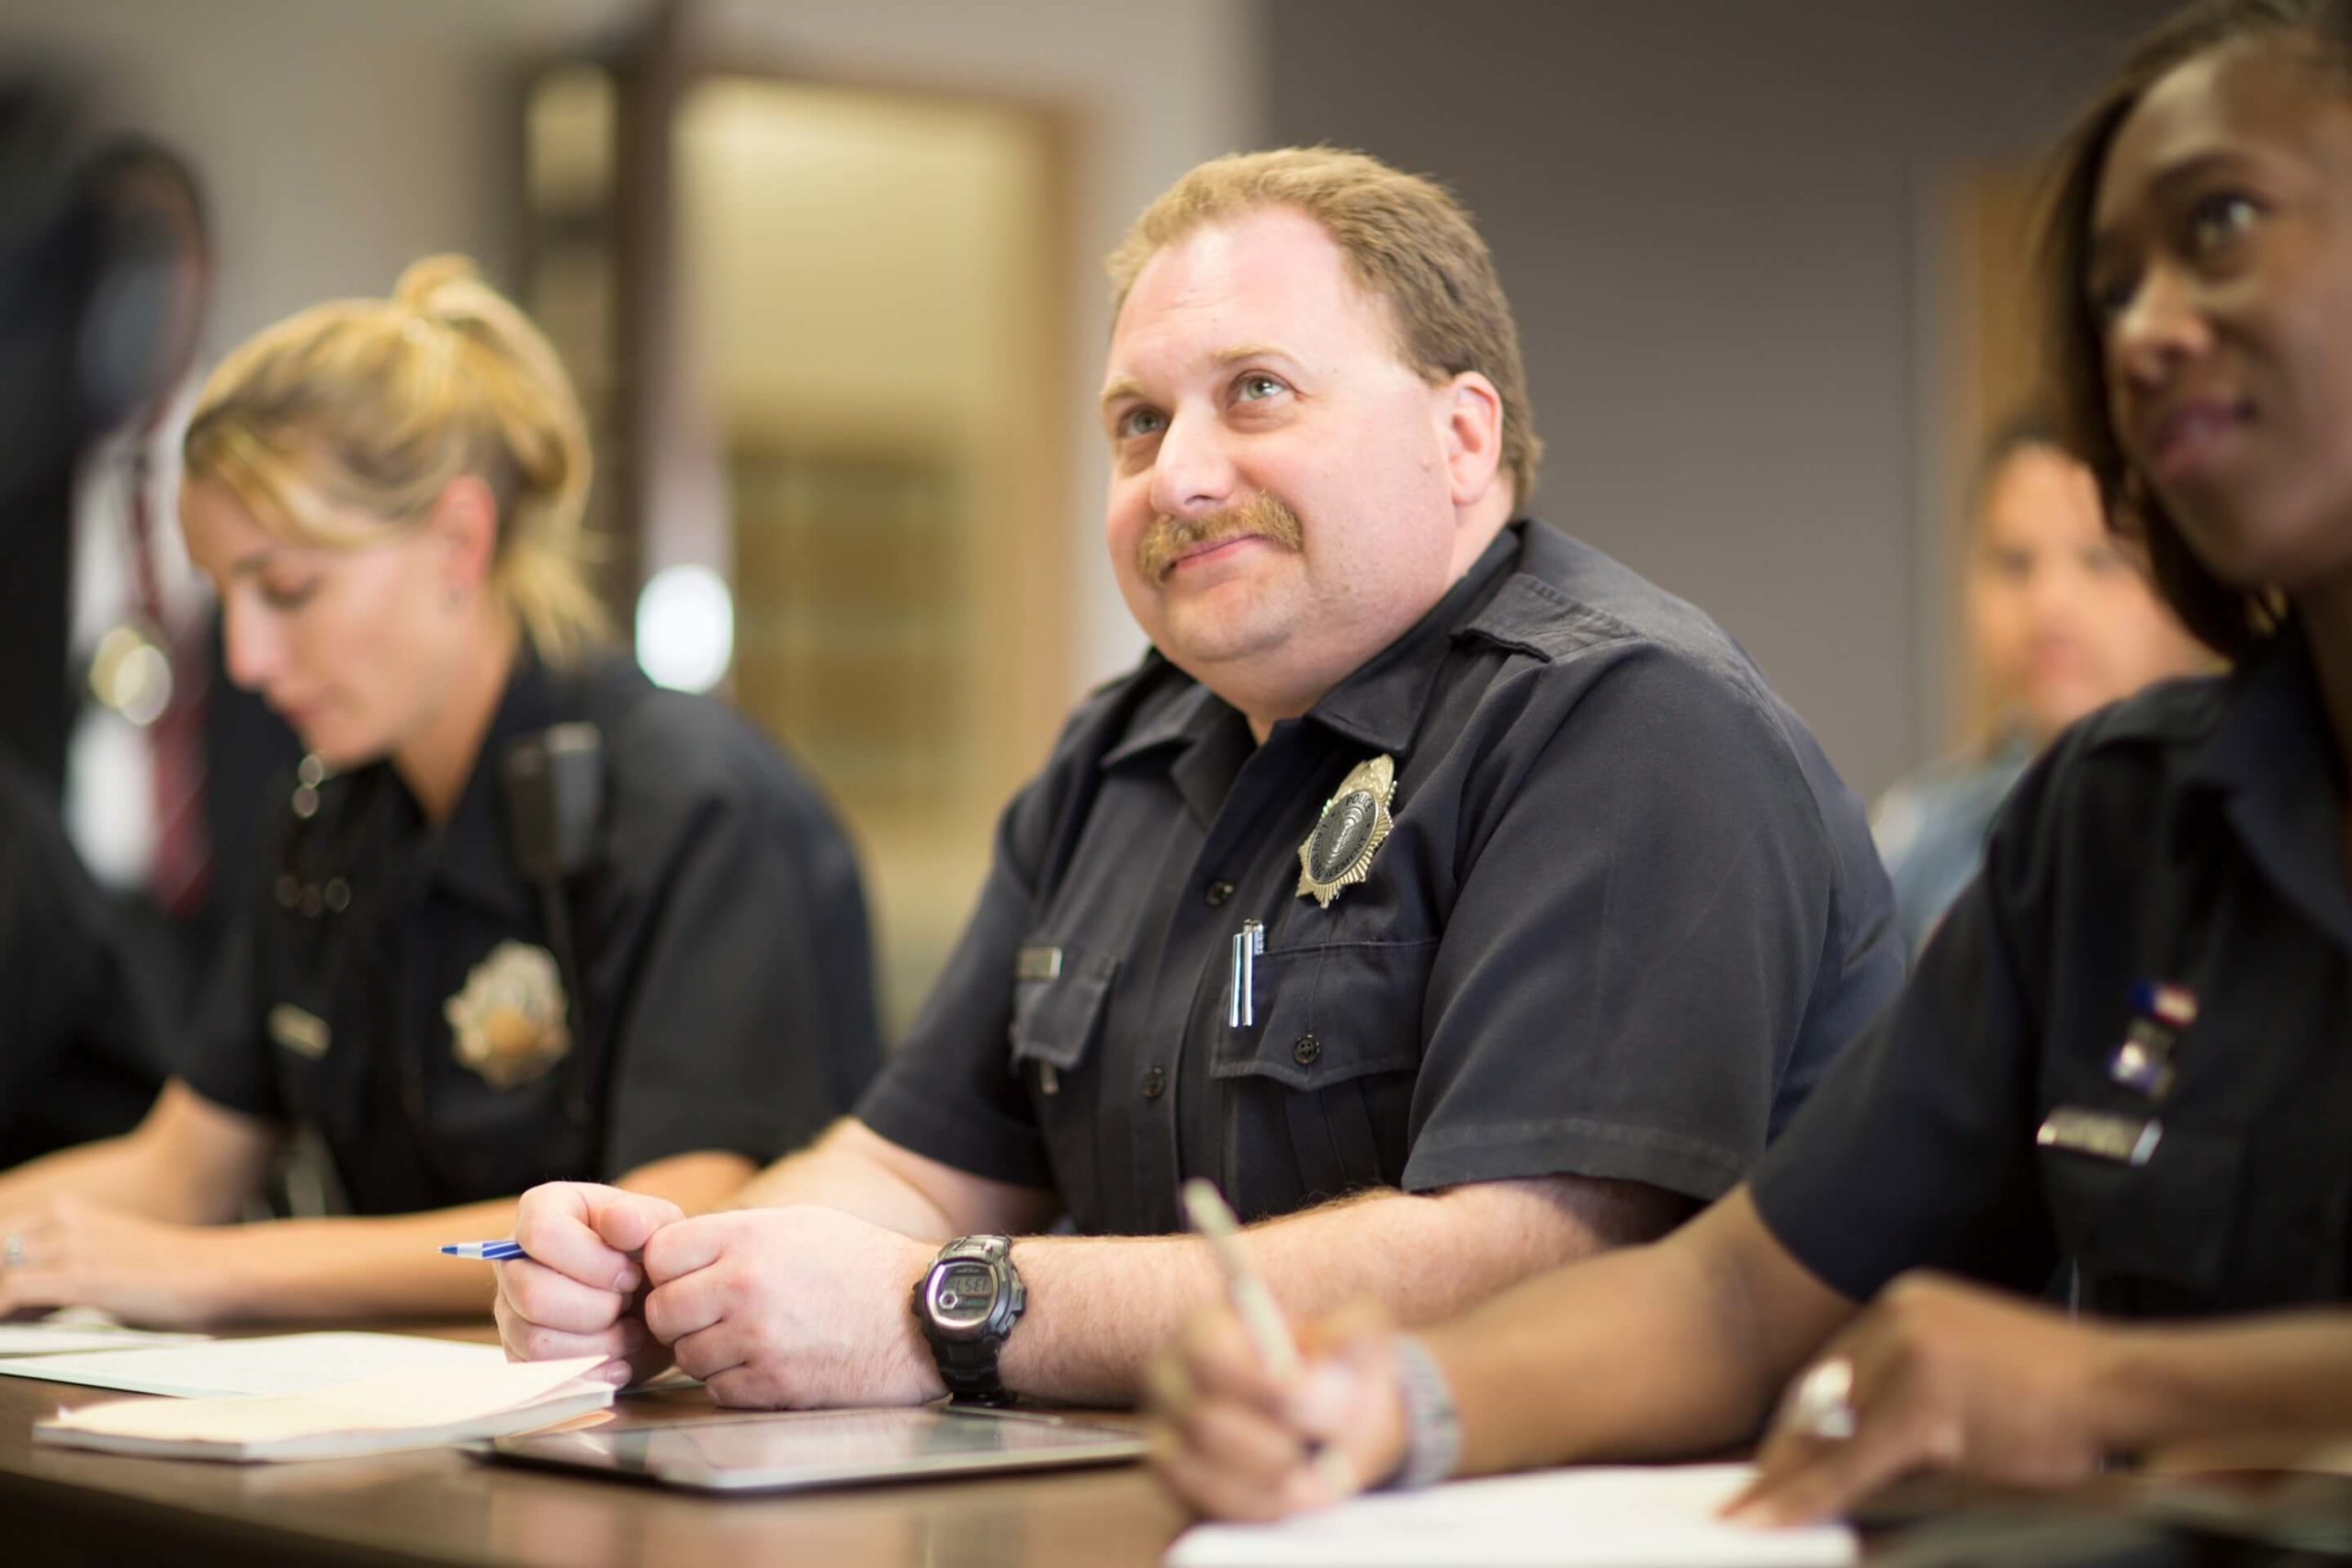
point(771, 1308)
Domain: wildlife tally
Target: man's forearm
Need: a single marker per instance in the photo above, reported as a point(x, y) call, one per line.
point(2163, 1385)
point(842, 1171)
point(1099, 1307)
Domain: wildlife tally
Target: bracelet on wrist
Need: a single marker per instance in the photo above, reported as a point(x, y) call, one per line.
point(1433, 1425)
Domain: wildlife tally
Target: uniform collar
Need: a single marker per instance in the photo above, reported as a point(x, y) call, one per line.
point(2271, 759)
point(470, 857)
point(1380, 705)
point(1209, 739)
point(1190, 711)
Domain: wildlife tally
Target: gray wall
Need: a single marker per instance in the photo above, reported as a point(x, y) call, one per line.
point(1708, 215)
point(341, 138)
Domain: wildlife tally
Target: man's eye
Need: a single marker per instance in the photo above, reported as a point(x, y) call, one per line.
point(1255, 384)
point(1139, 421)
point(2218, 220)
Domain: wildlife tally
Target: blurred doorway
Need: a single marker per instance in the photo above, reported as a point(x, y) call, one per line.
point(1987, 351)
point(823, 325)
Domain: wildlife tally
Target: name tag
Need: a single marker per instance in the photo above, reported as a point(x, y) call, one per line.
point(2103, 1134)
point(1038, 963)
point(305, 1035)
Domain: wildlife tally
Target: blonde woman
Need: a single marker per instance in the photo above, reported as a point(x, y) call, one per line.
point(529, 918)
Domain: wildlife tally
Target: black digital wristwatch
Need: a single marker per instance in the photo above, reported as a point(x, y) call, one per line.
point(968, 1303)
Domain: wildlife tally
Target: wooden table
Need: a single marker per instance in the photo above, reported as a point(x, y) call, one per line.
point(60, 1506)
point(68, 1506)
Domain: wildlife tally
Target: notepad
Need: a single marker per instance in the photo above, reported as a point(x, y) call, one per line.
point(1657, 1516)
point(282, 1363)
point(412, 1409)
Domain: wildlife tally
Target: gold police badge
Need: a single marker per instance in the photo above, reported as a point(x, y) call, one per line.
point(1354, 824)
point(512, 1022)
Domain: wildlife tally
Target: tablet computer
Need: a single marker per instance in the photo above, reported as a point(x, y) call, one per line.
point(796, 1450)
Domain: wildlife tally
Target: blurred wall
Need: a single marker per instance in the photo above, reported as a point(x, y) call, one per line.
point(343, 138)
point(1715, 220)
point(339, 141)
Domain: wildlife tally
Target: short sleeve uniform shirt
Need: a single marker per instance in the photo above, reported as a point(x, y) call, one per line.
point(2129, 1049)
point(1624, 917)
point(397, 989)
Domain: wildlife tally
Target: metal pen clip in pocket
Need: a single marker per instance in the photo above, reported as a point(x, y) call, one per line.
point(1248, 943)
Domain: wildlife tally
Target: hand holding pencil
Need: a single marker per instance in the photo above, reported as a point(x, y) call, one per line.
point(1246, 1426)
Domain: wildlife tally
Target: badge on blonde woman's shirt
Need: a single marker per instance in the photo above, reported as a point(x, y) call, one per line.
point(511, 1022)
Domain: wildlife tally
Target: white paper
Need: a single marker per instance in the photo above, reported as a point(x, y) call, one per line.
point(1653, 1516)
point(381, 1414)
point(438, 1397)
point(285, 1363)
point(78, 1329)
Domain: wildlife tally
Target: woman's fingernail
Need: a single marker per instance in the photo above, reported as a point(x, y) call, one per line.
point(628, 1280)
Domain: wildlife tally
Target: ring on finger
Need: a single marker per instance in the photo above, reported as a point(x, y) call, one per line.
point(1821, 1403)
point(12, 1251)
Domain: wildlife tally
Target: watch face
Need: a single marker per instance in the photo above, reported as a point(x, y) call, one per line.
point(962, 1296)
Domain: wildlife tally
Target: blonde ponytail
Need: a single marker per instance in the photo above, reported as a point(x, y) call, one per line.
point(373, 406)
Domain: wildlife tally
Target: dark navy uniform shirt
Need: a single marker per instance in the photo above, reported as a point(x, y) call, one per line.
point(2191, 839)
point(79, 1054)
point(722, 949)
point(1626, 916)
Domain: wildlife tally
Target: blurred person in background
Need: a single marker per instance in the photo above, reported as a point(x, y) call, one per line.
point(2062, 620)
point(165, 762)
point(78, 1039)
point(80, 1035)
point(2124, 1054)
point(525, 916)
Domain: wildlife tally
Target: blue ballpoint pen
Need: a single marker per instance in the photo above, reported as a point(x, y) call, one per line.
point(488, 1251)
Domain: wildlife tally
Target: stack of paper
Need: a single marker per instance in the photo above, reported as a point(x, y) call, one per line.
point(412, 1409)
point(1650, 1518)
point(77, 1328)
point(282, 1363)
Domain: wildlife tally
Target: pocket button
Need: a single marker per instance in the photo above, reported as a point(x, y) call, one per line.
point(1155, 1081)
point(1304, 1050)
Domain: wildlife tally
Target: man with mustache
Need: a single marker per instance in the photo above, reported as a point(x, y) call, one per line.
point(1454, 900)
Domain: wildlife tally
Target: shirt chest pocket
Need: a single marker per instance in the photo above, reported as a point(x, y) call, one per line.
point(1059, 996)
point(2151, 1239)
point(1320, 1085)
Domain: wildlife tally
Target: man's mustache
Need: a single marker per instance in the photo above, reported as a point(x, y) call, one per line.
point(1260, 516)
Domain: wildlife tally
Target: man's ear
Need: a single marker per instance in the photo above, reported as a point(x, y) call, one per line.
point(1473, 413)
point(464, 521)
